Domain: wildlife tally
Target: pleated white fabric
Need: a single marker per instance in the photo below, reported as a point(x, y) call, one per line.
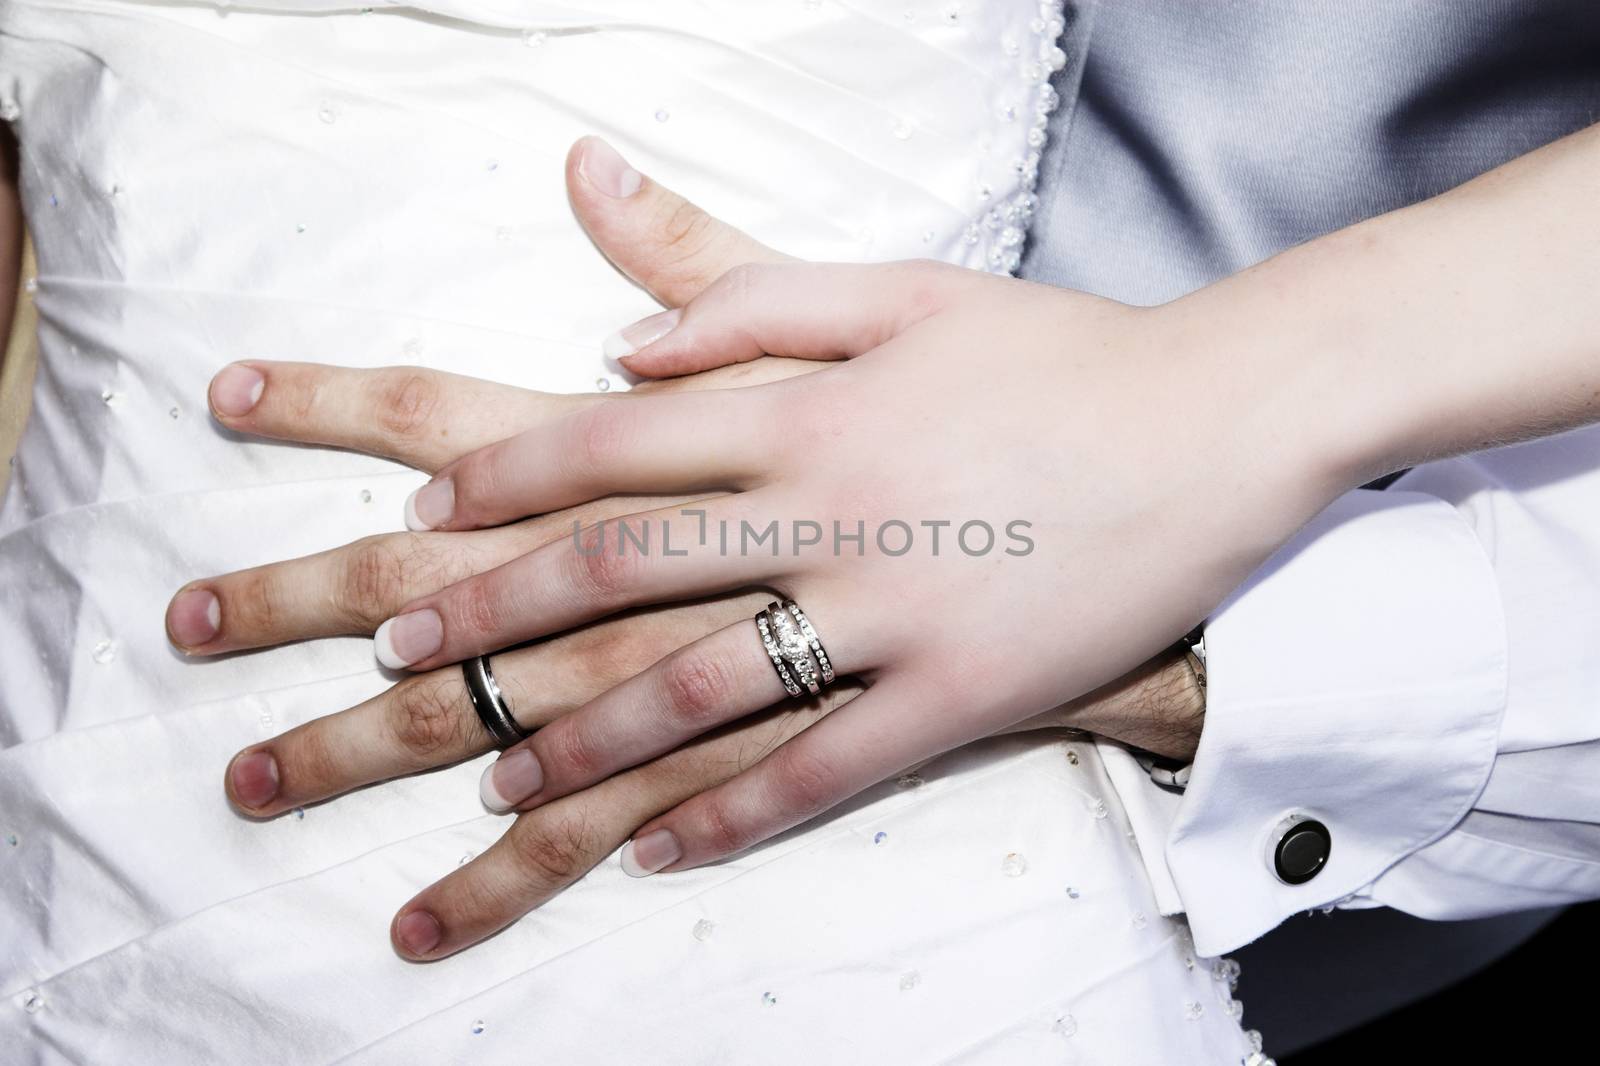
point(309, 180)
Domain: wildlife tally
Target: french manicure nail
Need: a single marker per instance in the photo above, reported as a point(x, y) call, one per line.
point(431, 506)
point(644, 855)
point(254, 778)
point(408, 638)
point(236, 390)
point(607, 171)
point(646, 331)
point(418, 932)
point(193, 617)
point(510, 779)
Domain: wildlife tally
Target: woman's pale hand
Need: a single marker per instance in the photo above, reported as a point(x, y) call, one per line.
point(1098, 477)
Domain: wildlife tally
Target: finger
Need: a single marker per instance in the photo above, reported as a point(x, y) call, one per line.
point(804, 310)
point(422, 723)
point(687, 442)
point(655, 557)
point(653, 235)
point(428, 721)
point(549, 848)
point(423, 418)
point(886, 730)
point(351, 590)
point(715, 680)
point(331, 593)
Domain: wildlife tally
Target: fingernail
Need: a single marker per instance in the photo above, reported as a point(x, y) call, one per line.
point(510, 779)
point(235, 390)
point(431, 506)
point(646, 331)
point(418, 932)
point(193, 617)
point(255, 779)
point(607, 171)
point(645, 855)
point(408, 638)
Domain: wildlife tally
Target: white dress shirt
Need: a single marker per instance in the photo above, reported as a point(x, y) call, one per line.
point(1419, 670)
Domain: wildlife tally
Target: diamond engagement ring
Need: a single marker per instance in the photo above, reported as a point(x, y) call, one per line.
point(792, 644)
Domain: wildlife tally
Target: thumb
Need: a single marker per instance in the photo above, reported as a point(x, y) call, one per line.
point(653, 235)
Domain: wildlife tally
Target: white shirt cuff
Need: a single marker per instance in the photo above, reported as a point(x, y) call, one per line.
point(1357, 678)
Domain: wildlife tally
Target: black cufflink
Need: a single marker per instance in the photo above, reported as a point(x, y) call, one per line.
point(1302, 850)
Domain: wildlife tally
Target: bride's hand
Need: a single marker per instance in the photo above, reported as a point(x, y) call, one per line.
point(1104, 476)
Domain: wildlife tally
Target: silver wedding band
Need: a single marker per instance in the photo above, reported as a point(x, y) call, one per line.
point(487, 700)
point(797, 654)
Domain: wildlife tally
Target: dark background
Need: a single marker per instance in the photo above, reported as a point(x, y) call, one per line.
point(1530, 1006)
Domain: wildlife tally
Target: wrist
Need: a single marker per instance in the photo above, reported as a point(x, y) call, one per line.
point(1158, 707)
point(1306, 395)
point(1398, 340)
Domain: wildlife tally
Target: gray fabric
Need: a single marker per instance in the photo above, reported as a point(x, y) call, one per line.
point(1195, 139)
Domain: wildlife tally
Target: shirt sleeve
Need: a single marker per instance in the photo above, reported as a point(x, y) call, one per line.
point(1419, 670)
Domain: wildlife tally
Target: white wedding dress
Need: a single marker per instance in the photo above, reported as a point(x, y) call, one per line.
point(314, 180)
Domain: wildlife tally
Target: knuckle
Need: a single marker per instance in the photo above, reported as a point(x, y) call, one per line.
point(480, 607)
point(589, 539)
point(600, 438)
point(294, 396)
point(254, 605)
point(556, 850)
point(427, 720)
point(698, 688)
point(606, 575)
point(684, 231)
point(806, 784)
point(723, 833)
point(486, 893)
point(573, 749)
point(308, 760)
point(407, 401)
point(372, 581)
